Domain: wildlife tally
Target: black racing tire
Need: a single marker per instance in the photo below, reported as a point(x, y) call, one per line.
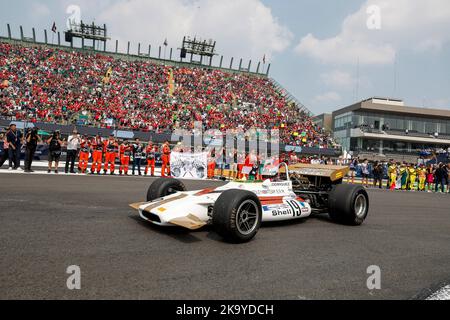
point(164, 187)
point(348, 204)
point(235, 206)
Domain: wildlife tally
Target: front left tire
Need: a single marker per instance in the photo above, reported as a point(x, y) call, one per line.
point(237, 215)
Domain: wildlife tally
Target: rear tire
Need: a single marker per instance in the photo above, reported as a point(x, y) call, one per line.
point(237, 215)
point(348, 204)
point(164, 187)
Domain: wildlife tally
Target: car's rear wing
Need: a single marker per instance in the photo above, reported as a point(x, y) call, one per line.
point(335, 173)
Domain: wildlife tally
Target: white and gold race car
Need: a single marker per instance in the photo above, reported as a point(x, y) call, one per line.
point(237, 209)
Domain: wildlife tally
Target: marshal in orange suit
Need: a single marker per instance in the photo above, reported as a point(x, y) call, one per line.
point(165, 157)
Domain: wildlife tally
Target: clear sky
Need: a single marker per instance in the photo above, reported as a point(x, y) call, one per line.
point(327, 53)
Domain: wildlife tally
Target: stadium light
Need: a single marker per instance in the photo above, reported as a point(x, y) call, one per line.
point(198, 47)
point(87, 31)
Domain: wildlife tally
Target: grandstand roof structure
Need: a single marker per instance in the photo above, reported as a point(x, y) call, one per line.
point(385, 105)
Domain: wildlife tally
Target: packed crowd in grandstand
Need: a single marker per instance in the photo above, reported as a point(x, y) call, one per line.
point(41, 84)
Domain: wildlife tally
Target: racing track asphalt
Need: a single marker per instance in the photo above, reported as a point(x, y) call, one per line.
point(49, 222)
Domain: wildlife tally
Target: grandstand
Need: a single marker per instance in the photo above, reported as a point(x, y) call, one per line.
point(60, 85)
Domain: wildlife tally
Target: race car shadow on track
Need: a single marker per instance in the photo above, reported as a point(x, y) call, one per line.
point(279, 224)
point(212, 235)
point(188, 236)
point(325, 218)
point(177, 233)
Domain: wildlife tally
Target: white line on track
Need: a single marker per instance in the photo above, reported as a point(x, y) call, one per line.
point(442, 294)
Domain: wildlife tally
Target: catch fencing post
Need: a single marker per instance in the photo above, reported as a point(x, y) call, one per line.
point(268, 69)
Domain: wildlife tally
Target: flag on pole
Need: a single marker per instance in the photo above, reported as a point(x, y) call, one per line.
point(171, 83)
point(264, 59)
point(166, 43)
point(54, 29)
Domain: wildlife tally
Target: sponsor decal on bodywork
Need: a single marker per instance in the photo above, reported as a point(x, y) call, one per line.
point(287, 207)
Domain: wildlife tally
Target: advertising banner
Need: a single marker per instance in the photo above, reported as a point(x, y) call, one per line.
point(189, 165)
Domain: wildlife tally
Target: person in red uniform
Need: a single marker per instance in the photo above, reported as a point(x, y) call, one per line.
point(83, 160)
point(241, 156)
point(111, 149)
point(165, 157)
point(151, 156)
point(125, 155)
point(211, 163)
point(121, 152)
point(97, 154)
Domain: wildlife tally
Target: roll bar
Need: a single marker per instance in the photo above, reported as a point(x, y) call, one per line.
point(286, 167)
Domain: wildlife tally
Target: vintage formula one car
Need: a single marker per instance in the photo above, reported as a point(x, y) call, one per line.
point(237, 209)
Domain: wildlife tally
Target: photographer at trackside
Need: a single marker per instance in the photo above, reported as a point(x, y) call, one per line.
point(32, 139)
point(73, 144)
point(55, 144)
point(15, 139)
point(3, 149)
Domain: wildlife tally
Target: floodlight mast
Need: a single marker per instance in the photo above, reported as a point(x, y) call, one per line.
point(87, 31)
point(198, 47)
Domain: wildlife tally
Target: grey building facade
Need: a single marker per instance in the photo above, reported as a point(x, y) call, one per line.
point(387, 126)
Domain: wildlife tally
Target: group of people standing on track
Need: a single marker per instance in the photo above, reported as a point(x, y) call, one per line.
point(429, 178)
point(403, 176)
point(104, 153)
point(11, 144)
